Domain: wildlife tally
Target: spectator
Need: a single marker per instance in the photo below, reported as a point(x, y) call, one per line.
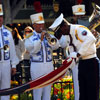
point(26, 56)
point(19, 47)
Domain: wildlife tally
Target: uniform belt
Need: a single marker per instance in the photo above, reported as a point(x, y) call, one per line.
point(89, 56)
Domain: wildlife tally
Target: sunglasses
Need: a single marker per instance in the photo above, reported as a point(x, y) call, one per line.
point(28, 31)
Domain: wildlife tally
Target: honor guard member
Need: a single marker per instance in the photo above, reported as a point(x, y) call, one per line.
point(85, 49)
point(79, 18)
point(40, 50)
point(8, 58)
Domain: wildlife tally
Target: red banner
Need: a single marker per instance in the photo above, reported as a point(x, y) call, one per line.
point(40, 82)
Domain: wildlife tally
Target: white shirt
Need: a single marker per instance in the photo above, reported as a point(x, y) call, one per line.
point(83, 40)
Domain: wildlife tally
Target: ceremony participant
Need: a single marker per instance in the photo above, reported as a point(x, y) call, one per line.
point(85, 49)
point(8, 58)
point(79, 18)
point(41, 54)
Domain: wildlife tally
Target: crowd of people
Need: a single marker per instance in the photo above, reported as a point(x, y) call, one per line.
point(30, 46)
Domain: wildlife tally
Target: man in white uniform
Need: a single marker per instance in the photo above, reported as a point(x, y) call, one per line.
point(8, 58)
point(79, 18)
point(85, 50)
point(41, 55)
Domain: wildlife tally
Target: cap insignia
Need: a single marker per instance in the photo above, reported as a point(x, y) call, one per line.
point(0, 9)
point(40, 18)
point(80, 9)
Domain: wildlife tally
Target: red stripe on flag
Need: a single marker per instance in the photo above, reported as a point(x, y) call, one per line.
point(51, 75)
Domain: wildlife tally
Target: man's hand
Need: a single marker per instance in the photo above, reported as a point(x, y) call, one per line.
point(13, 71)
point(43, 34)
point(74, 55)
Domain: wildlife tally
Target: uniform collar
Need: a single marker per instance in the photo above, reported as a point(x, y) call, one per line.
point(72, 28)
point(39, 34)
point(36, 32)
point(1, 27)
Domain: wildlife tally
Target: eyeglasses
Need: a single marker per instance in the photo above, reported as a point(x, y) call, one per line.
point(28, 31)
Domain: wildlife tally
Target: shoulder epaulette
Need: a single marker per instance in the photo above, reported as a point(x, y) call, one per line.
point(8, 28)
point(50, 32)
point(77, 37)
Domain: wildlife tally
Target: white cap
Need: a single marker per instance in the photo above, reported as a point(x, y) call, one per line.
point(37, 18)
point(57, 22)
point(1, 10)
point(78, 9)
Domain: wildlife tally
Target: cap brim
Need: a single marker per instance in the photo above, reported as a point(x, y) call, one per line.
point(57, 22)
point(39, 22)
point(81, 13)
point(1, 14)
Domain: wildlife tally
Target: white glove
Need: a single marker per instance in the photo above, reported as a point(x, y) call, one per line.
point(73, 55)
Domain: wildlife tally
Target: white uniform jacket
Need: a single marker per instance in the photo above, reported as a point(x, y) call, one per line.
point(83, 40)
point(40, 51)
point(9, 54)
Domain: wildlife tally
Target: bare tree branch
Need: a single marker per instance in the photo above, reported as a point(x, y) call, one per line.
point(17, 8)
point(7, 11)
point(14, 4)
